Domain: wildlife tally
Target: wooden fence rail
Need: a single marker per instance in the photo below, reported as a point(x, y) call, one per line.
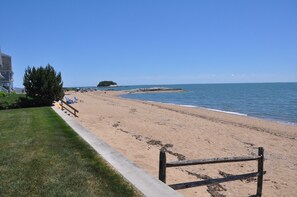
point(259, 174)
point(63, 103)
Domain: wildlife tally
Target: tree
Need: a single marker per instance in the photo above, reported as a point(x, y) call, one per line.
point(43, 84)
point(106, 83)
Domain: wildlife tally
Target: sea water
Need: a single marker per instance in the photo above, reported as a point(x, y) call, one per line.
point(273, 101)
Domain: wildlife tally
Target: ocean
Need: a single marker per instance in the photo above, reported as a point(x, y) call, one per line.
point(272, 101)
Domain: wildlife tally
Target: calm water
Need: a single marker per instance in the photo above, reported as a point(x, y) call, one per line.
point(273, 101)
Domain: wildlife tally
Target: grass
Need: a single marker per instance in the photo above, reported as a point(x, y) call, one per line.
point(40, 155)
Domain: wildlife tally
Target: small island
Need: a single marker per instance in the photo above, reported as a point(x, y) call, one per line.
point(107, 84)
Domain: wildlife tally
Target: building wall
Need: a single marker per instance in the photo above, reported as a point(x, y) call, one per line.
point(6, 72)
point(6, 60)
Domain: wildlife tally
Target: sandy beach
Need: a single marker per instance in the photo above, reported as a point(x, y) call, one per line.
point(140, 129)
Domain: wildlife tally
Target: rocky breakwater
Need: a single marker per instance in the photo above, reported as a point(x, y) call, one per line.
point(154, 90)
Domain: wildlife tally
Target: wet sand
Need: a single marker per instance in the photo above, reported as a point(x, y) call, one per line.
point(140, 129)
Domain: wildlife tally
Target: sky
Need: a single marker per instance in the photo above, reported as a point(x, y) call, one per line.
point(137, 42)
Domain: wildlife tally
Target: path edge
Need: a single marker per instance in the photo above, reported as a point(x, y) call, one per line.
point(144, 182)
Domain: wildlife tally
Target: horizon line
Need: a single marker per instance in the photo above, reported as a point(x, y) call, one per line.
point(208, 83)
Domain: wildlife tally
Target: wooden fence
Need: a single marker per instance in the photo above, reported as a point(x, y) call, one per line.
point(259, 174)
point(69, 108)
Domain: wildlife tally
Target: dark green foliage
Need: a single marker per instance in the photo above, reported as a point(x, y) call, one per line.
point(10, 101)
point(13, 101)
point(43, 84)
point(106, 83)
point(3, 94)
point(40, 155)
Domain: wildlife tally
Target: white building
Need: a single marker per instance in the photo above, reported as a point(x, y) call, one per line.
point(6, 73)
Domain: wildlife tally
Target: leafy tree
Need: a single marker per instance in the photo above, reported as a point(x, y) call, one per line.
point(44, 85)
point(106, 83)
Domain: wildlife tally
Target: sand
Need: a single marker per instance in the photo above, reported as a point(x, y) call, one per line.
point(139, 129)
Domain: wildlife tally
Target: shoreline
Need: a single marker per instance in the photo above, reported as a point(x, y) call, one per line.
point(224, 113)
point(139, 129)
point(203, 108)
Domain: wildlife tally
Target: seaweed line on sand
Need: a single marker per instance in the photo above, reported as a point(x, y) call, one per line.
point(165, 148)
point(153, 142)
point(213, 189)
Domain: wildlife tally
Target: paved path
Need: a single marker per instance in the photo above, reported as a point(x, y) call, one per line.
point(144, 182)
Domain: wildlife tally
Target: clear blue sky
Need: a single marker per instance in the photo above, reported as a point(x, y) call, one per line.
point(153, 41)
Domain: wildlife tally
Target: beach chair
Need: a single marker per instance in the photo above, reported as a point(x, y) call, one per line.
point(68, 100)
point(76, 99)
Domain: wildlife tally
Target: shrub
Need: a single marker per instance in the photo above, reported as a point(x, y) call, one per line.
point(43, 85)
point(3, 94)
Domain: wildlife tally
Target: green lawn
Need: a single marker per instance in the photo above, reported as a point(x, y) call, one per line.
point(40, 155)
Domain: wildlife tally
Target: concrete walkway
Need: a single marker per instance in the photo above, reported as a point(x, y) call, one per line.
point(144, 182)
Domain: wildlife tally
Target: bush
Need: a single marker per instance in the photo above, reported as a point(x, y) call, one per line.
point(3, 94)
point(12, 101)
point(43, 85)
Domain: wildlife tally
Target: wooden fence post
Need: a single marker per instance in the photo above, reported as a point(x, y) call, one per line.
point(162, 166)
point(260, 171)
